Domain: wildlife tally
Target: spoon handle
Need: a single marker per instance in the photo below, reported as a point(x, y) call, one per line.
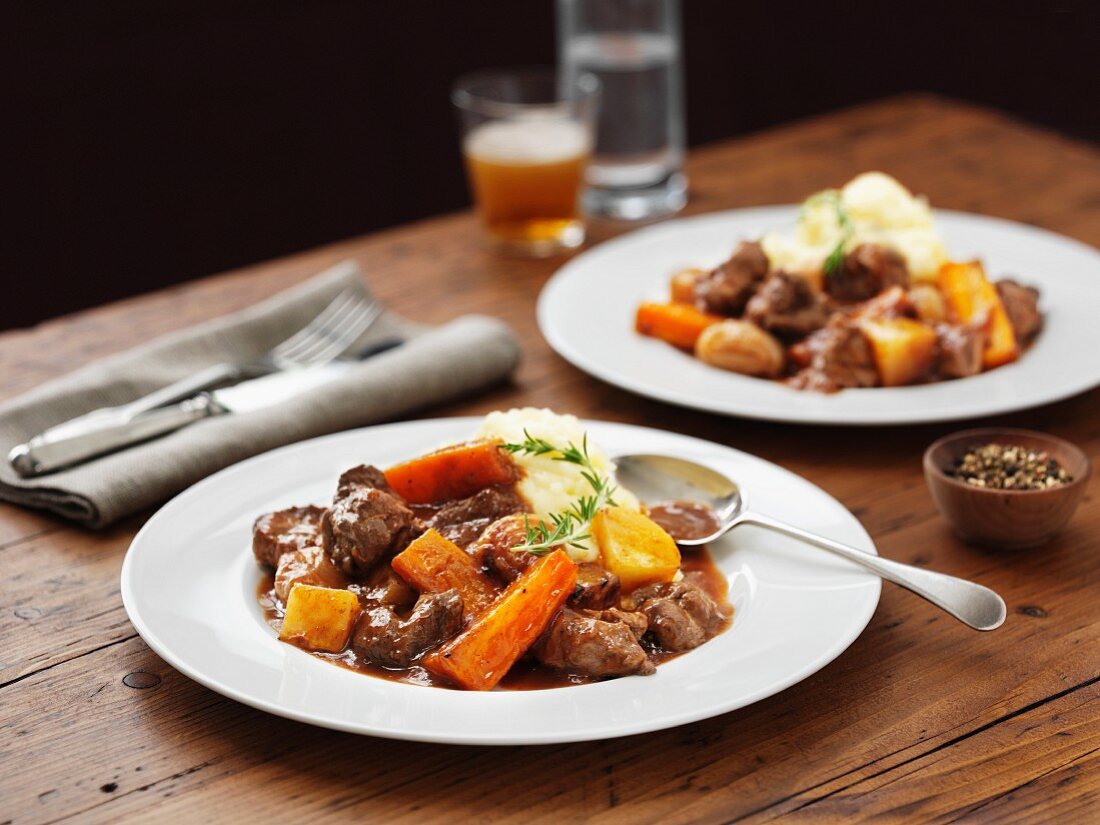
point(975, 605)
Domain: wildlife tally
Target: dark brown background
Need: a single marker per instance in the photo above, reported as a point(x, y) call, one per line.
point(150, 143)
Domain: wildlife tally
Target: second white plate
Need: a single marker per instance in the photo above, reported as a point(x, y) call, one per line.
point(586, 313)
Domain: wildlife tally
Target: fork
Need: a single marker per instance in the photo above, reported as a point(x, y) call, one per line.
point(329, 335)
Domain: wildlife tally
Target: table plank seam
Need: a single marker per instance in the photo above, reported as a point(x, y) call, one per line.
point(28, 674)
point(950, 743)
point(942, 746)
point(30, 537)
point(141, 789)
point(1014, 789)
point(796, 794)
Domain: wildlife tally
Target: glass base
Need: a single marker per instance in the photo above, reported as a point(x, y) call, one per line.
point(637, 204)
point(536, 239)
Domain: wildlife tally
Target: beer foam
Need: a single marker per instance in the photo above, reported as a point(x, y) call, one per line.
point(527, 141)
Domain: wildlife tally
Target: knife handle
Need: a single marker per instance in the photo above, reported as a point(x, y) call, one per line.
point(45, 453)
point(187, 387)
point(191, 385)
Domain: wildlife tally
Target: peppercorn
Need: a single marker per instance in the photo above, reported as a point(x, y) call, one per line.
point(1009, 467)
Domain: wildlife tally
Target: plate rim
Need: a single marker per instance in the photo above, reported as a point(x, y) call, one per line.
point(130, 604)
point(566, 350)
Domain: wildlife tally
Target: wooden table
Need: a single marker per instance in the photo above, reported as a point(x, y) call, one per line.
point(921, 719)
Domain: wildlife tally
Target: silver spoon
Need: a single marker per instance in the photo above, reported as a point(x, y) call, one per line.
point(663, 478)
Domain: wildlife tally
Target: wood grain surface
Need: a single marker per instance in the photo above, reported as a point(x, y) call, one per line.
point(920, 720)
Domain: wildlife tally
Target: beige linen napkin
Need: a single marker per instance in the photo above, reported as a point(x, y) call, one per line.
point(433, 365)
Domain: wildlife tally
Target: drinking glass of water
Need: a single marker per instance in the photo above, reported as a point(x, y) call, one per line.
point(527, 137)
point(633, 47)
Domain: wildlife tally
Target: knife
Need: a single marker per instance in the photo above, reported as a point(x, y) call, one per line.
point(71, 444)
point(210, 378)
point(111, 428)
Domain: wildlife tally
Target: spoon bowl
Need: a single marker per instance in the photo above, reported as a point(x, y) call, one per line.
point(668, 478)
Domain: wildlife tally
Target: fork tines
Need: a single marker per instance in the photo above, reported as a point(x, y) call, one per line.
point(331, 333)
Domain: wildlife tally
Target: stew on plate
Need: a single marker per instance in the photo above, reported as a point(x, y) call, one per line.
point(439, 571)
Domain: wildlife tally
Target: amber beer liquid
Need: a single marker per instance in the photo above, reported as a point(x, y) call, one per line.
point(526, 177)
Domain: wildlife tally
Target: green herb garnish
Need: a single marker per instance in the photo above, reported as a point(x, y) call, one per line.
point(571, 525)
point(835, 259)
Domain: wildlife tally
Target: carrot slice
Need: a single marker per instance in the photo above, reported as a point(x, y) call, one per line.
point(432, 564)
point(478, 658)
point(453, 472)
point(971, 298)
point(676, 324)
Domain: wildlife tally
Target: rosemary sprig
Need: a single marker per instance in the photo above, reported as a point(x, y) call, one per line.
point(835, 258)
point(541, 538)
point(571, 525)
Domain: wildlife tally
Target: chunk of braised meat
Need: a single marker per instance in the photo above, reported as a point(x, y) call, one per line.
point(384, 638)
point(726, 289)
point(892, 302)
point(787, 305)
point(681, 616)
point(928, 303)
point(750, 255)
point(637, 622)
point(365, 475)
point(1021, 304)
point(462, 521)
point(834, 358)
point(284, 530)
point(310, 565)
point(959, 350)
point(595, 644)
point(385, 586)
point(493, 548)
point(364, 526)
point(596, 588)
point(866, 271)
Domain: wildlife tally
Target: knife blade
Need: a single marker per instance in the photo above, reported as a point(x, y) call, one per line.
point(73, 445)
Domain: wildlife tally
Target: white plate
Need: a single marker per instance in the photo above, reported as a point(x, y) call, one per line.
point(189, 585)
point(586, 312)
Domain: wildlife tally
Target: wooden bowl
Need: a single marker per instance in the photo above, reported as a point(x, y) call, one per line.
point(1004, 518)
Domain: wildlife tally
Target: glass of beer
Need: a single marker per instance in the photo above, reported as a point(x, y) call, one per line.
point(526, 138)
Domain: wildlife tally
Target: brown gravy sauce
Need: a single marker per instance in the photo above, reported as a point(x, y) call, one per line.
point(683, 520)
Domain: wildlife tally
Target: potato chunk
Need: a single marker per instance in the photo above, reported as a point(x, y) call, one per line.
point(903, 349)
point(634, 547)
point(319, 618)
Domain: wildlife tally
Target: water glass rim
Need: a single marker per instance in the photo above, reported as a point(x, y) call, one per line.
point(578, 89)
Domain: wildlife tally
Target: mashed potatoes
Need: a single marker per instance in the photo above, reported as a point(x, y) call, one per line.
point(880, 211)
point(550, 485)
